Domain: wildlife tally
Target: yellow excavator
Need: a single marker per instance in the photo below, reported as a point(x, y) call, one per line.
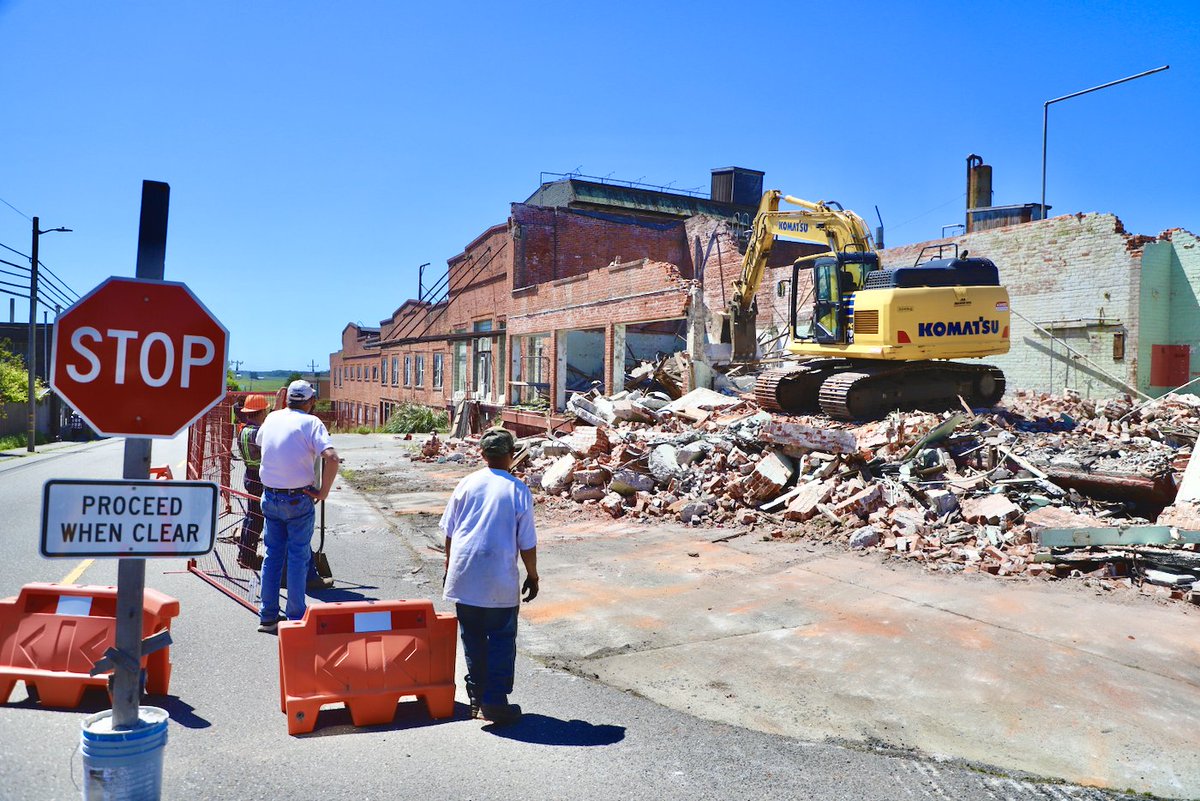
point(874, 339)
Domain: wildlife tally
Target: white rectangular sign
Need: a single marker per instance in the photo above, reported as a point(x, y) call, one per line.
point(128, 518)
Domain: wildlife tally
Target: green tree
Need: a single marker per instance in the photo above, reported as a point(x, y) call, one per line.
point(294, 377)
point(231, 382)
point(14, 379)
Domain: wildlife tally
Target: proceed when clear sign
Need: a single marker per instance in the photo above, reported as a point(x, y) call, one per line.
point(129, 518)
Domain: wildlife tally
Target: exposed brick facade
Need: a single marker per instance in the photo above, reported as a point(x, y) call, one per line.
point(555, 243)
point(546, 271)
point(1089, 284)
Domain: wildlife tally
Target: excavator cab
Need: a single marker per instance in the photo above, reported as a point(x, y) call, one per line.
point(835, 279)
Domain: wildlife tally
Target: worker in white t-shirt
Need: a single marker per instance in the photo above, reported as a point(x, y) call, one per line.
point(488, 523)
point(291, 440)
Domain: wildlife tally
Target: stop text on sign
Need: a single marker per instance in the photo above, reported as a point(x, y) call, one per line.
point(128, 518)
point(156, 355)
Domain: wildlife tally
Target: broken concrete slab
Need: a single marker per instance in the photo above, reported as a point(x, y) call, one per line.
point(865, 537)
point(630, 482)
point(664, 463)
point(558, 477)
point(995, 509)
point(1115, 535)
point(583, 492)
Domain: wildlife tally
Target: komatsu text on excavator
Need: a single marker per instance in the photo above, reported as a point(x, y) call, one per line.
point(877, 339)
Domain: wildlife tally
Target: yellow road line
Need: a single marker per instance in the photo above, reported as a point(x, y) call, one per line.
point(74, 575)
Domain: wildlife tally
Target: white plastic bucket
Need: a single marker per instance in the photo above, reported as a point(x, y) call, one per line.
point(124, 765)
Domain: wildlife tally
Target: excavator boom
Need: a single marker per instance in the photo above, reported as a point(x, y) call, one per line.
point(820, 223)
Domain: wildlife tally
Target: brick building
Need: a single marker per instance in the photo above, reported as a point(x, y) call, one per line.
point(355, 394)
point(572, 291)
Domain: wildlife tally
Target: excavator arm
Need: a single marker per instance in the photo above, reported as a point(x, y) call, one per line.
point(819, 223)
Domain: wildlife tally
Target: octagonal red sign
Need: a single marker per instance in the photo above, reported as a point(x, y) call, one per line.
point(139, 358)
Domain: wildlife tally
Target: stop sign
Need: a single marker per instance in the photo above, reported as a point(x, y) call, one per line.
point(139, 358)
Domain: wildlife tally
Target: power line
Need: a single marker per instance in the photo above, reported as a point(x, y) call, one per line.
point(62, 283)
point(14, 208)
point(14, 250)
point(65, 289)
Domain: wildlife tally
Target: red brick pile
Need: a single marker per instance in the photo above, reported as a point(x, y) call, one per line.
point(962, 492)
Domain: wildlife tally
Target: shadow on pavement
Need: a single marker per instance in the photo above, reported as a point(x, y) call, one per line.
point(348, 592)
point(545, 730)
point(180, 711)
point(410, 714)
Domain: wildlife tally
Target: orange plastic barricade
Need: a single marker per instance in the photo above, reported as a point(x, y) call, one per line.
point(367, 655)
point(162, 473)
point(52, 634)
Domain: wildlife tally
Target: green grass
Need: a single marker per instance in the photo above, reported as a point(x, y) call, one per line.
point(11, 441)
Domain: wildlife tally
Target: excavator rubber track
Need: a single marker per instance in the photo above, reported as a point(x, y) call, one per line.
point(847, 389)
point(794, 390)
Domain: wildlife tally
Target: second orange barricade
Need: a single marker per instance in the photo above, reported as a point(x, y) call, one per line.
point(367, 655)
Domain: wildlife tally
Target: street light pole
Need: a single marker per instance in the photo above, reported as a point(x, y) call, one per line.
point(1046, 117)
point(31, 351)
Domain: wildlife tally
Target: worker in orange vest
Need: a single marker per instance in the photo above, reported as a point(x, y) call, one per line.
point(250, 418)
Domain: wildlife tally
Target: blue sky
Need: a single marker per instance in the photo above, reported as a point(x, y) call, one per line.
point(318, 152)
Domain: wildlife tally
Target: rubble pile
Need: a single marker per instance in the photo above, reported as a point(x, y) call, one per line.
point(964, 492)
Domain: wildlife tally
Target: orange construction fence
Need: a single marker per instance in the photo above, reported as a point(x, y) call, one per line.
point(52, 634)
point(366, 655)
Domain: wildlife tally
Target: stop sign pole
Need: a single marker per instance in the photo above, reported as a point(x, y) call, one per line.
point(131, 573)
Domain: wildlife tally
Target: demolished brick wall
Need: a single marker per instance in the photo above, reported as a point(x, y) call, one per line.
point(1061, 273)
point(557, 243)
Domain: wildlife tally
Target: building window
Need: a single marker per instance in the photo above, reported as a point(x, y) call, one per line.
point(408, 371)
point(1119, 346)
point(419, 372)
point(437, 371)
point(383, 370)
point(395, 370)
point(374, 373)
point(483, 361)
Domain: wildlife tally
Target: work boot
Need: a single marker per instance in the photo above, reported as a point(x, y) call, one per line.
point(500, 713)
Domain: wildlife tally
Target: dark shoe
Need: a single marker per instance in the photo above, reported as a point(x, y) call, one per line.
point(269, 626)
point(500, 713)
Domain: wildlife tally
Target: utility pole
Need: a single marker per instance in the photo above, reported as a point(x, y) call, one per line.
point(312, 368)
point(31, 419)
point(31, 353)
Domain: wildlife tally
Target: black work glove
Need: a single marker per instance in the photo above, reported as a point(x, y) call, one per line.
point(529, 589)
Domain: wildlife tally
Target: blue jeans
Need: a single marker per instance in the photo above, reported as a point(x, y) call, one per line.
point(289, 529)
point(489, 638)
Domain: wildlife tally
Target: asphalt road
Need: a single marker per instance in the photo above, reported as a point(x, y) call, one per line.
point(579, 739)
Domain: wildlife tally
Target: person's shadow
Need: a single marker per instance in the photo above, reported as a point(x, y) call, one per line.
point(545, 730)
